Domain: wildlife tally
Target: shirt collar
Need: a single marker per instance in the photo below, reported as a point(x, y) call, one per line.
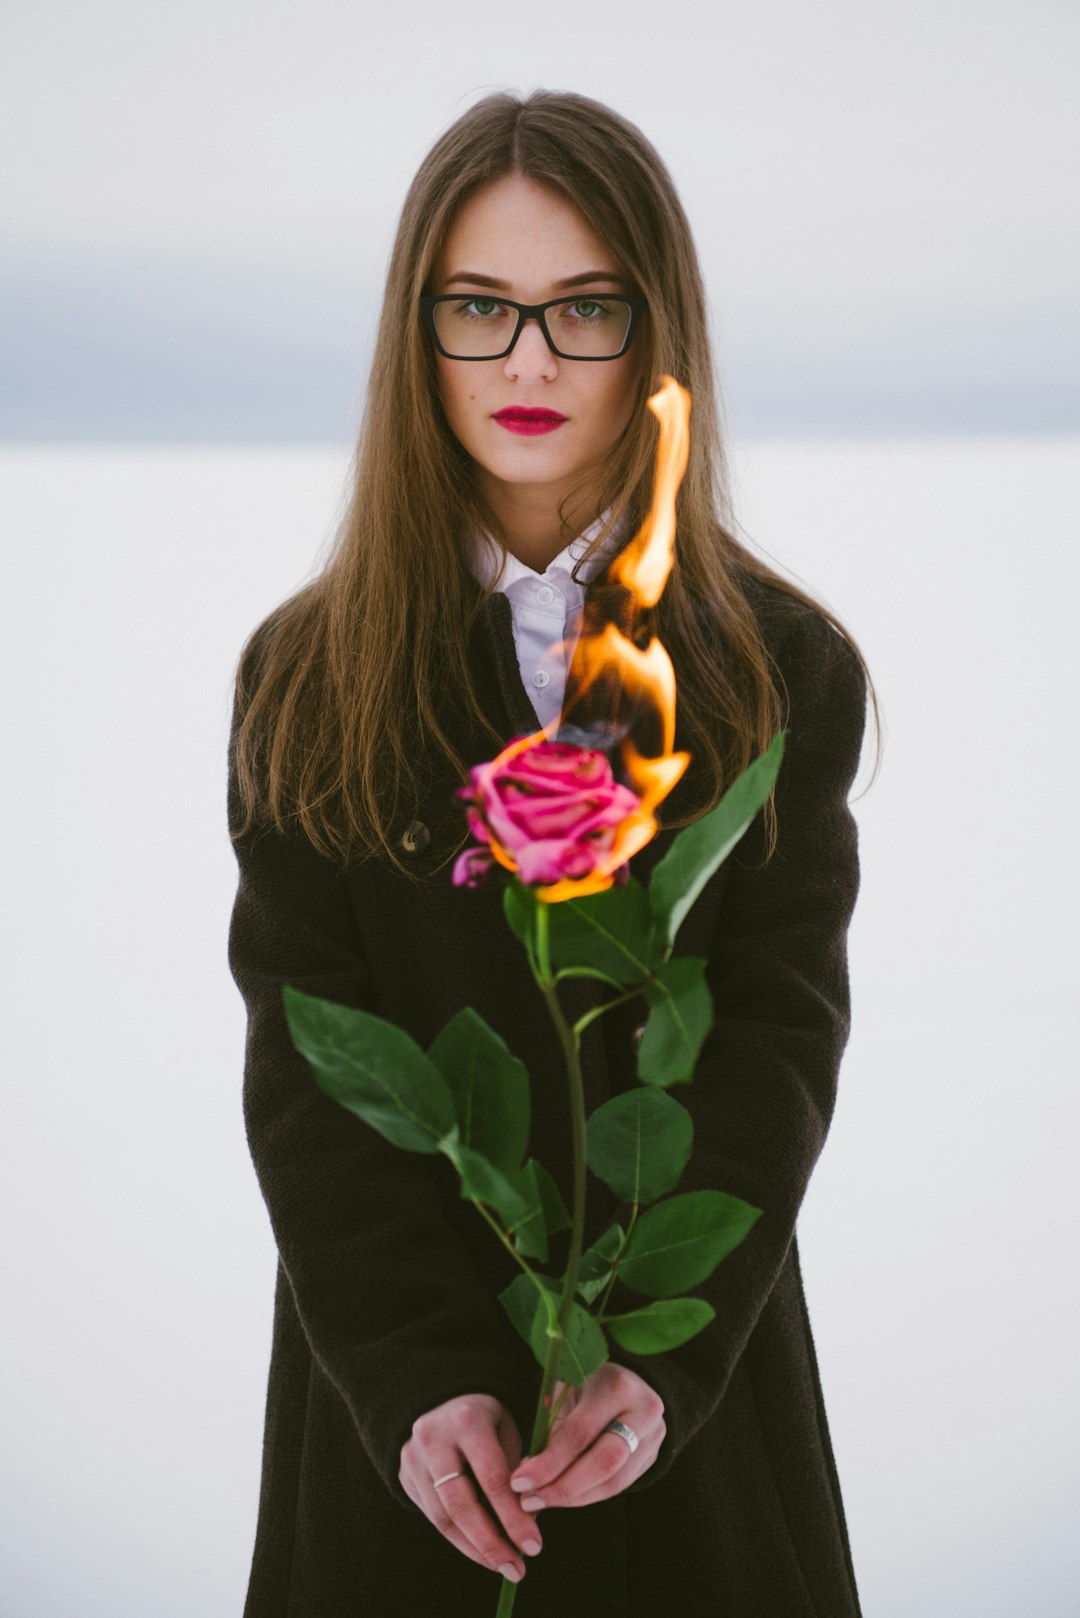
point(484, 560)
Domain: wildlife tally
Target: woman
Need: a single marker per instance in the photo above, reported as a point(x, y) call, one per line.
point(542, 280)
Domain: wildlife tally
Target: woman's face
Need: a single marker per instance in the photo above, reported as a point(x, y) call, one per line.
point(520, 239)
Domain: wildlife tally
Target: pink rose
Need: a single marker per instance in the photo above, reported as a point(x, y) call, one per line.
point(552, 809)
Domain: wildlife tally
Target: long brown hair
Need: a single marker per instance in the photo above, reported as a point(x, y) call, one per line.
point(336, 685)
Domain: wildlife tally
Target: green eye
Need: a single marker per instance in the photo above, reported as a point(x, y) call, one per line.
point(480, 306)
point(588, 311)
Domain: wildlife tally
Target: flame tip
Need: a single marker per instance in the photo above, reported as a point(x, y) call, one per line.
point(642, 568)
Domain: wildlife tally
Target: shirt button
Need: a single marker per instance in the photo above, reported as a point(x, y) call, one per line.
point(541, 678)
point(415, 838)
point(545, 594)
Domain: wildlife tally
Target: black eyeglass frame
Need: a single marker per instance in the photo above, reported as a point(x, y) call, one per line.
point(533, 311)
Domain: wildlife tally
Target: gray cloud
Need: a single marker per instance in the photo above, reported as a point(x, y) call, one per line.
point(200, 210)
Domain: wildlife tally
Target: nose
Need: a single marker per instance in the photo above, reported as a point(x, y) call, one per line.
point(530, 356)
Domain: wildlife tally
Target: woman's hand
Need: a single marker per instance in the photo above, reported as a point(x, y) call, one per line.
point(472, 1430)
point(581, 1463)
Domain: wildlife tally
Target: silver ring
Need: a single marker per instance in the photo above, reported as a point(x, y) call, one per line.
point(623, 1431)
point(440, 1481)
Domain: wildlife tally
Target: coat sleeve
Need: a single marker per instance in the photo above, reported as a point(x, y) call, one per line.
point(393, 1308)
point(765, 1086)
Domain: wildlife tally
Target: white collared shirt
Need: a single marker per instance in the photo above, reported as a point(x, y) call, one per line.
point(545, 609)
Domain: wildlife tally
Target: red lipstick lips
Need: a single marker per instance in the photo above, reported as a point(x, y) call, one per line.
point(530, 423)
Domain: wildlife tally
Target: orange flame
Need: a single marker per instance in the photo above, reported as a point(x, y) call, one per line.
point(646, 676)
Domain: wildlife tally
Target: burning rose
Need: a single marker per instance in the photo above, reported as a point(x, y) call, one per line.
point(552, 810)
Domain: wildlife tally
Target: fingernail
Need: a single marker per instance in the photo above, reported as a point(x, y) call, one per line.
point(509, 1571)
point(535, 1504)
point(531, 1547)
point(522, 1485)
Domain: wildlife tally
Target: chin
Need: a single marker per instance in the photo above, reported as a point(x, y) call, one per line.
point(528, 464)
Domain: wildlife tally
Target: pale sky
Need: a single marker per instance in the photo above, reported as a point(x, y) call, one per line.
point(197, 202)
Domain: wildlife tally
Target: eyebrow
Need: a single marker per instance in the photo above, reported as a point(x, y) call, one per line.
point(503, 286)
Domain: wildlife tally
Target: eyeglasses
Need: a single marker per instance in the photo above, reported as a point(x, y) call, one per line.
point(482, 328)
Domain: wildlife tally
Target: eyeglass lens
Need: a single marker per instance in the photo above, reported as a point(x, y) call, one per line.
point(481, 328)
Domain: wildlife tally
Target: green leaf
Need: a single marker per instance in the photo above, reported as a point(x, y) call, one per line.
point(679, 1242)
point(584, 1348)
point(522, 1302)
point(487, 1183)
point(530, 1235)
point(661, 1325)
point(638, 1143)
point(531, 1238)
point(490, 1088)
point(595, 1270)
point(680, 1015)
point(701, 848)
point(611, 932)
point(519, 908)
point(373, 1068)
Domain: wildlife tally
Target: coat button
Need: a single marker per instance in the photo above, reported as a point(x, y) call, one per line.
point(415, 838)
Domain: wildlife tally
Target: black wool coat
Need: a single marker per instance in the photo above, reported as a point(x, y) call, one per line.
point(386, 1295)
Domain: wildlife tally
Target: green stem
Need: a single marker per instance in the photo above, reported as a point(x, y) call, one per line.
point(586, 972)
point(568, 1038)
point(560, 1401)
point(598, 1011)
point(543, 948)
point(573, 1264)
point(616, 1261)
point(510, 1248)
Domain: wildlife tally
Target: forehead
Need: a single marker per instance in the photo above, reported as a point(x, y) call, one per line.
point(517, 231)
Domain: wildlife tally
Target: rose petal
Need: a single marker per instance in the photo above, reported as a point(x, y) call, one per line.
point(504, 823)
point(541, 863)
point(569, 766)
point(555, 817)
point(472, 867)
point(578, 860)
point(477, 825)
point(578, 821)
